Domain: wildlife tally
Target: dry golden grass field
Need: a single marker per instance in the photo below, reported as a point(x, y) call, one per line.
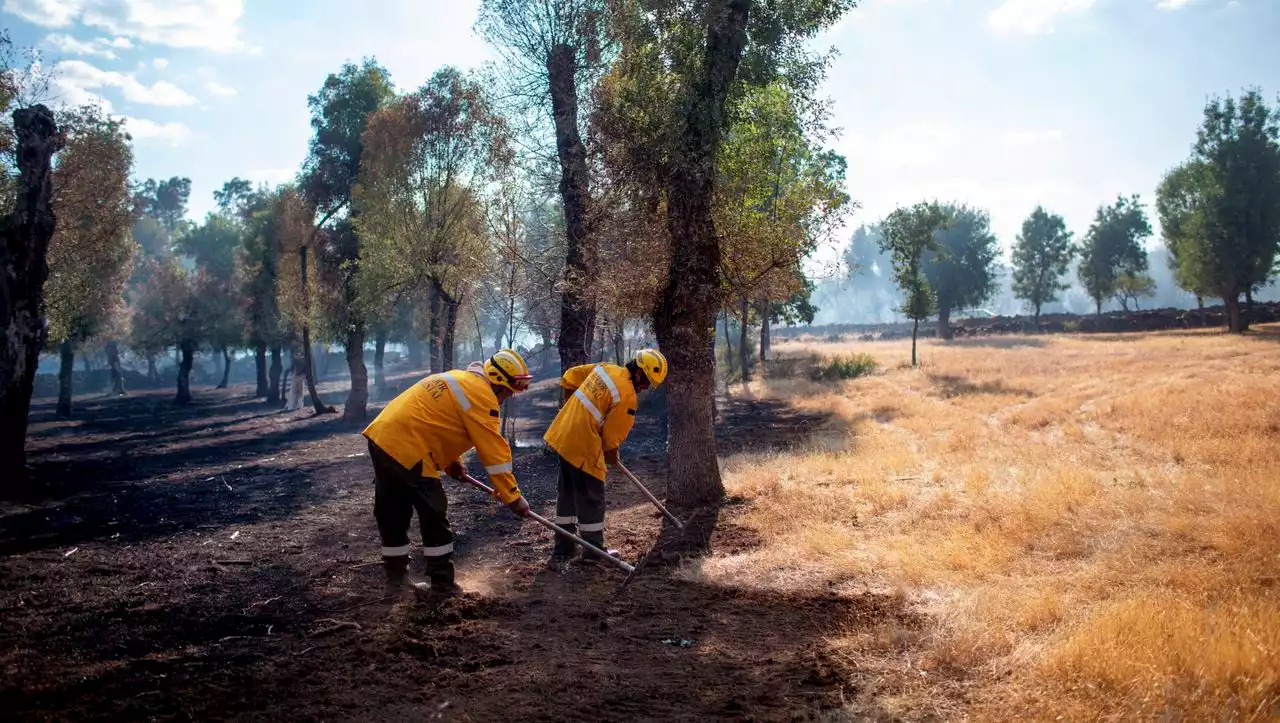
point(1090, 525)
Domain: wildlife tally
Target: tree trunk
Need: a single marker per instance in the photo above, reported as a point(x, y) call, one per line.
point(685, 315)
point(448, 331)
point(113, 361)
point(1098, 306)
point(23, 270)
point(766, 340)
point(415, 350)
point(187, 350)
point(379, 354)
point(944, 322)
point(1235, 319)
point(151, 368)
point(619, 339)
point(66, 371)
point(1037, 318)
point(1248, 307)
point(915, 331)
point(744, 346)
point(434, 330)
point(577, 303)
point(273, 376)
point(309, 364)
point(226, 368)
point(260, 361)
point(88, 367)
point(1204, 316)
point(356, 408)
point(297, 377)
point(728, 343)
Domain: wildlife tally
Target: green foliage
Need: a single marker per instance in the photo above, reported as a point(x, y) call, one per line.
point(1131, 287)
point(962, 270)
point(1220, 211)
point(164, 201)
point(865, 250)
point(844, 366)
point(1040, 258)
point(213, 244)
point(797, 309)
point(909, 234)
point(91, 254)
point(340, 112)
point(1112, 250)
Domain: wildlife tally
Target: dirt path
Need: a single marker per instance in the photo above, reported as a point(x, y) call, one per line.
point(221, 561)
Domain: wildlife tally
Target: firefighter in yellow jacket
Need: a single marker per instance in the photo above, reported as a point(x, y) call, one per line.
point(424, 431)
point(599, 408)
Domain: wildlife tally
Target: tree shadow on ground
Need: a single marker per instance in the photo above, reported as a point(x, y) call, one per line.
point(994, 342)
point(957, 386)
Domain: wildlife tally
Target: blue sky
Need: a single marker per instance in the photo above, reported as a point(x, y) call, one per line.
point(998, 103)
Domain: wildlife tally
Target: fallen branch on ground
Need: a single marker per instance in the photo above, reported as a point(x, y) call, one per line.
point(335, 627)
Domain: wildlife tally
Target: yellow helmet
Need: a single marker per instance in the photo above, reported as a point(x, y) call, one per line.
point(653, 364)
point(507, 369)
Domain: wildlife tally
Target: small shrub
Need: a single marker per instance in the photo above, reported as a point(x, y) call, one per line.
point(844, 366)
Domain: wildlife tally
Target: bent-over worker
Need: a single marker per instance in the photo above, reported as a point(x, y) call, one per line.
point(599, 408)
point(425, 430)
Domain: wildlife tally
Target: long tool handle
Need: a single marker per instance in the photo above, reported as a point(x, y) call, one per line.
point(675, 520)
point(622, 564)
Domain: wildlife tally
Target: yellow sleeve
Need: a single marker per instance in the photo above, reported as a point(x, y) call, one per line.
point(617, 423)
point(493, 450)
point(574, 378)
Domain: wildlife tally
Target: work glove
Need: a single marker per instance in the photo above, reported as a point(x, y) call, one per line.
point(455, 470)
point(519, 507)
point(611, 457)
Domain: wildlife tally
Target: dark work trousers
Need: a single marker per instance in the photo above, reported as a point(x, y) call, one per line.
point(397, 492)
point(579, 509)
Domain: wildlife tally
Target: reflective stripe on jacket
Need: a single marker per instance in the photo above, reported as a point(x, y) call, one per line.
point(441, 417)
point(597, 416)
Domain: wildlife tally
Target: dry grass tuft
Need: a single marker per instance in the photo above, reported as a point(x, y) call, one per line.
point(1091, 524)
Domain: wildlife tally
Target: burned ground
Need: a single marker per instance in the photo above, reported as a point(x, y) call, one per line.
point(220, 560)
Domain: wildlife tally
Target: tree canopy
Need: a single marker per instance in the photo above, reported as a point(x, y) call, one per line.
point(1040, 257)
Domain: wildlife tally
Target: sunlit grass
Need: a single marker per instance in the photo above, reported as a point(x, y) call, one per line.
point(1092, 524)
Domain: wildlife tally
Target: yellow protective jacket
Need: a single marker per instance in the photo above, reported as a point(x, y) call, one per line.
point(438, 419)
point(598, 415)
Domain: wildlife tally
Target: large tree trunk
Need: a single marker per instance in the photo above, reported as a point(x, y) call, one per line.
point(685, 315)
point(23, 270)
point(619, 351)
point(117, 375)
point(728, 343)
point(151, 368)
point(309, 363)
point(357, 407)
point(1098, 306)
point(379, 354)
point(744, 346)
point(273, 376)
point(577, 302)
point(1037, 317)
point(766, 340)
point(1236, 323)
point(260, 362)
point(944, 322)
point(226, 368)
point(447, 340)
point(66, 372)
point(436, 308)
point(415, 350)
point(1248, 307)
point(187, 349)
point(1204, 316)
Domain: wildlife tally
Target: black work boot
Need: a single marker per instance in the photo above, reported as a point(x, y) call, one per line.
point(397, 580)
point(440, 573)
point(564, 549)
point(597, 539)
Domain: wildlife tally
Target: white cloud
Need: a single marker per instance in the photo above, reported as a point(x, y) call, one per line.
point(46, 13)
point(217, 88)
point(142, 129)
point(122, 43)
point(75, 95)
point(1173, 4)
point(160, 63)
point(1032, 17)
point(82, 75)
point(67, 44)
point(207, 24)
